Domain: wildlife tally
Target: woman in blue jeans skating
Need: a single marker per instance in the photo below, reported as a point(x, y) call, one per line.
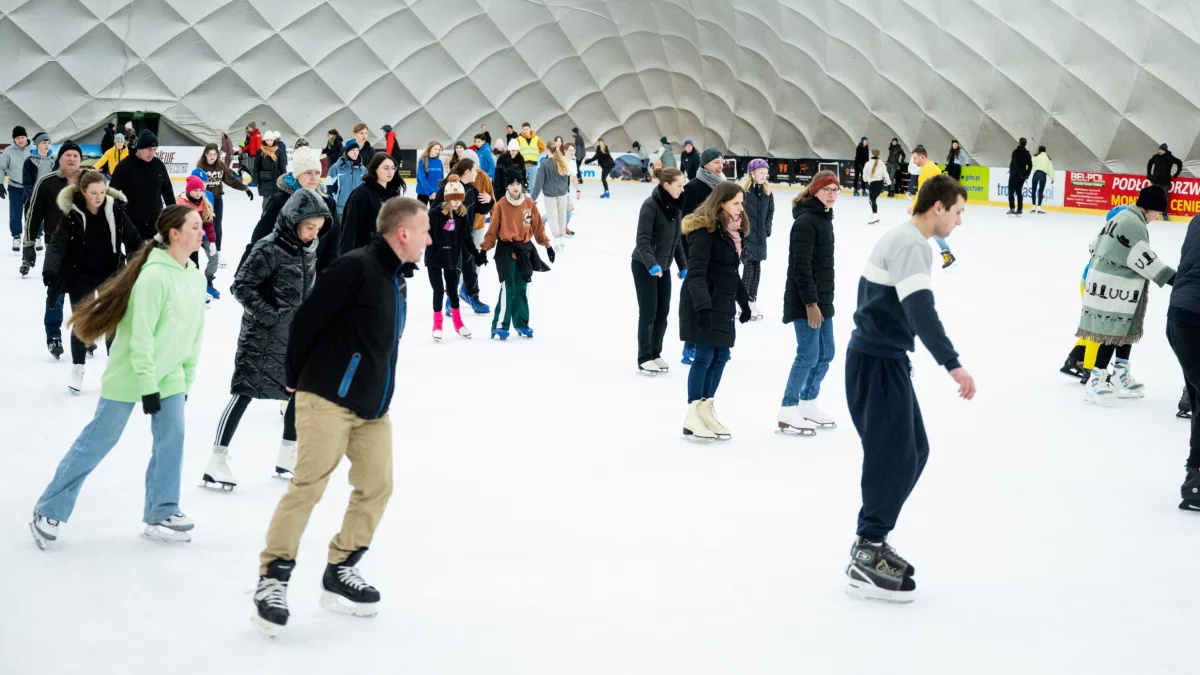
point(156, 307)
point(707, 302)
point(808, 304)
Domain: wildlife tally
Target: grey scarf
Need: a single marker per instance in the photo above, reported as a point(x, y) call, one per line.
point(709, 178)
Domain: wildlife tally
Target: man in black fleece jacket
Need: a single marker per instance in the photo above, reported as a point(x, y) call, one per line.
point(1019, 169)
point(341, 364)
point(1163, 168)
point(1183, 332)
point(143, 178)
point(862, 155)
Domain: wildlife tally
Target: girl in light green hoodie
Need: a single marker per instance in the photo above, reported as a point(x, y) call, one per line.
point(156, 307)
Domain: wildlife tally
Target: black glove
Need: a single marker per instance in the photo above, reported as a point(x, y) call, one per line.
point(250, 194)
point(3, 192)
point(151, 403)
point(50, 279)
point(744, 316)
point(481, 258)
point(704, 319)
point(550, 253)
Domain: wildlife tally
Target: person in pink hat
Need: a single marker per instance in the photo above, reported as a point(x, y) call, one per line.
point(193, 195)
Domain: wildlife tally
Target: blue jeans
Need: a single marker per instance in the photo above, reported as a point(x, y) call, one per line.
point(54, 317)
point(99, 437)
point(16, 212)
point(814, 353)
point(531, 176)
point(1037, 189)
point(705, 375)
point(941, 242)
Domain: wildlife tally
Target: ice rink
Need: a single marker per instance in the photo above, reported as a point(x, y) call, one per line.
point(548, 518)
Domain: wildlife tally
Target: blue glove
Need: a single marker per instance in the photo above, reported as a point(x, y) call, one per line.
point(682, 274)
point(656, 270)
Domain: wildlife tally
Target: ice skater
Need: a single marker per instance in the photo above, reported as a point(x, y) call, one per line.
point(920, 158)
point(1183, 332)
point(895, 304)
point(760, 216)
point(153, 361)
point(450, 228)
point(515, 226)
point(659, 241)
point(876, 175)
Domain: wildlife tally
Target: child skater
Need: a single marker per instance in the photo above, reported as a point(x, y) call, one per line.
point(515, 224)
point(450, 228)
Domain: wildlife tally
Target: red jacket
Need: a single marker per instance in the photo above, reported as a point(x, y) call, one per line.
point(390, 143)
point(206, 214)
point(254, 144)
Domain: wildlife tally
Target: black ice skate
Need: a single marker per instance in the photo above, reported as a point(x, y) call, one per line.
point(346, 592)
point(270, 599)
point(1185, 406)
point(54, 346)
point(1190, 490)
point(875, 573)
point(1073, 368)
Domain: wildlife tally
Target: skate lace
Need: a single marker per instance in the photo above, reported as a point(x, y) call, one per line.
point(273, 592)
point(1127, 380)
point(349, 576)
point(894, 557)
point(887, 570)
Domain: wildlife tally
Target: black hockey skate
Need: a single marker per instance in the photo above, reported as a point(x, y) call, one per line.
point(270, 599)
point(346, 592)
point(1073, 368)
point(875, 573)
point(1185, 406)
point(24, 270)
point(54, 345)
point(1190, 491)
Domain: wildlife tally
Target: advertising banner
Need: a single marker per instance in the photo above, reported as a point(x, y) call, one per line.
point(975, 180)
point(998, 188)
point(1092, 190)
point(180, 160)
point(1087, 190)
point(407, 159)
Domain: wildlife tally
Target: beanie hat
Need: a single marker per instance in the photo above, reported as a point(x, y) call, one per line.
point(302, 205)
point(1152, 198)
point(460, 144)
point(200, 173)
point(821, 182)
point(304, 159)
point(387, 128)
point(1162, 147)
point(710, 153)
point(119, 138)
point(575, 129)
point(862, 139)
point(454, 187)
point(301, 142)
point(194, 183)
point(19, 131)
point(351, 144)
point(146, 139)
point(663, 140)
point(514, 176)
point(471, 155)
point(756, 164)
point(69, 146)
point(41, 137)
point(514, 145)
point(689, 142)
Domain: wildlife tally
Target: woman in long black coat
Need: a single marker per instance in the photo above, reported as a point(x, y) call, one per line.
point(712, 293)
point(362, 207)
point(272, 282)
point(659, 240)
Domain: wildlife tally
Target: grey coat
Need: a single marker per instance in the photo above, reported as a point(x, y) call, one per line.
point(12, 163)
point(668, 157)
point(275, 278)
point(760, 213)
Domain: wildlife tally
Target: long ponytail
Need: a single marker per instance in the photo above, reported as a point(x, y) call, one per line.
point(99, 316)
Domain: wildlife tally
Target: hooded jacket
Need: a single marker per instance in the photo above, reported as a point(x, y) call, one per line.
point(487, 163)
point(74, 249)
point(206, 212)
point(760, 215)
point(157, 345)
point(345, 337)
point(666, 156)
point(862, 153)
point(810, 276)
point(36, 168)
point(689, 162)
point(344, 177)
point(147, 186)
point(1159, 168)
point(110, 159)
point(253, 142)
point(12, 165)
point(272, 283)
point(327, 248)
point(712, 285)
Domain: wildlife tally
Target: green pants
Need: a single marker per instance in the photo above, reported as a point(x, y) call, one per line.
point(513, 305)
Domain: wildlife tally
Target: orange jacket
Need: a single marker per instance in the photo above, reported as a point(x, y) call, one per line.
point(516, 224)
point(484, 185)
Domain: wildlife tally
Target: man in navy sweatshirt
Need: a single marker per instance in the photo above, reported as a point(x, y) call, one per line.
point(1183, 332)
point(895, 304)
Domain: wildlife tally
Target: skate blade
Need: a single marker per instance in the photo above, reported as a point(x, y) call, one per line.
point(1129, 396)
point(1100, 403)
point(793, 431)
point(868, 592)
point(283, 473)
point(1184, 415)
point(1185, 505)
point(208, 483)
point(649, 373)
point(465, 337)
point(336, 603)
point(265, 627)
point(166, 535)
point(693, 438)
point(825, 425)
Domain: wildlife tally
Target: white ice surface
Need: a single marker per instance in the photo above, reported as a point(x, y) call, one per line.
point(547, 518)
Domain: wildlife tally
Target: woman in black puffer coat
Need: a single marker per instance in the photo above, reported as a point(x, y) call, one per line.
point(272, 282)
point(808, 301)
point(658, 242)
point(708, 303)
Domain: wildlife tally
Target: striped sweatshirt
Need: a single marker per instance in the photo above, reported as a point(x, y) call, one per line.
point(895, 301)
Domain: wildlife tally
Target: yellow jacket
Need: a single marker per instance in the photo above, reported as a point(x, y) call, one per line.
point(111, 158)
point(928, 171)
point(531, 148)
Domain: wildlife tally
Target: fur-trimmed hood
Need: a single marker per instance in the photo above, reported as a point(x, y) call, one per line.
point(66, 198)
point(67, 204)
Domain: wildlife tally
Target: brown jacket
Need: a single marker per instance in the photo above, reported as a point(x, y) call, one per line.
point(516, 224)
point(484, 185)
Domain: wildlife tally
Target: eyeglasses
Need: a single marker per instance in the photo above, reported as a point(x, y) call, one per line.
point(831, 190)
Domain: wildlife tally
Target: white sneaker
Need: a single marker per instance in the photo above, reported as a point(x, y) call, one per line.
point(791, 421)
point(755, 315)
point(285, 461)
point(1124, 385)
point(218, 472)
point(649, 368)
point(75, 384)
point(708, 415)
point(694, 428)
point(662, 364)
point(160, 532)
point(44, 530)
point(1099, 391)
point(814, 414)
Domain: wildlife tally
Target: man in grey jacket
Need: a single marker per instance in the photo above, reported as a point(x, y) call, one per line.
point(12, 162)
point(667, 155)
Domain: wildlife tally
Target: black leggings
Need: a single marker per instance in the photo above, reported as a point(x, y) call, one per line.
point(1105, 354)
point(436, 277)
point(751, 273)
point(876, 187)
point(859, 184)
point(233, 416)
point(604, 177)
point(80, 291)
point(424, 199)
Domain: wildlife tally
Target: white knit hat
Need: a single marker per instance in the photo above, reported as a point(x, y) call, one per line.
point(514, 145)
point(304, 159)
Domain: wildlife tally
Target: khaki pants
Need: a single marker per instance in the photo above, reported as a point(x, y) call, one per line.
point(325, 432)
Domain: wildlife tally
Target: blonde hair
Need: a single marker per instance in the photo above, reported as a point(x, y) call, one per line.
point(875, 156)
point(425, 155)
point(560, 162)
point(361, 126)
point(749, 183)
point(447, 210)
